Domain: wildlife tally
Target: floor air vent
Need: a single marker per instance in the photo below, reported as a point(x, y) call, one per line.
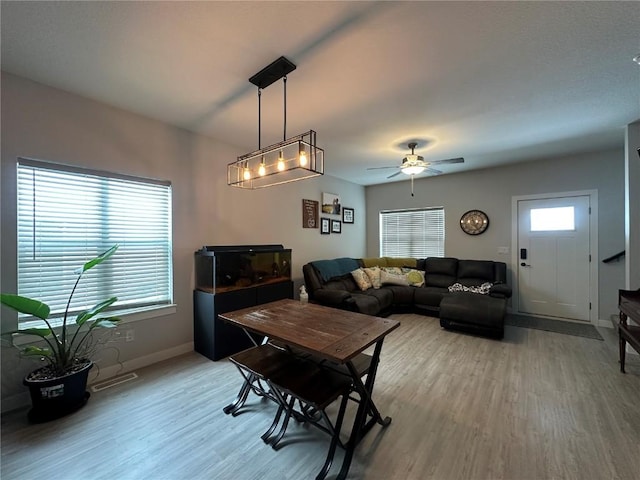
point(112, 382)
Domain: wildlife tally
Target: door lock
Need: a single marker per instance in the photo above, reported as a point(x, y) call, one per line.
point(524, 265)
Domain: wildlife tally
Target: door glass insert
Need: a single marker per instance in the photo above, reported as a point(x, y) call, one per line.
point(552, 219)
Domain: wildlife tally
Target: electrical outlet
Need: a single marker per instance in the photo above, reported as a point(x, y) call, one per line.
point(129, 335)
point(503, 250)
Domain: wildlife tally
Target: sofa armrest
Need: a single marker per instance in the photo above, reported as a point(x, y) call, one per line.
point(500, 290)
point(335, 298)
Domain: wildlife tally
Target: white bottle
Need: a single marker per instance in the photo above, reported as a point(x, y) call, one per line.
point(304, 296)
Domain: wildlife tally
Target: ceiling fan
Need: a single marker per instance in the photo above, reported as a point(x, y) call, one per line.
point(414, 164)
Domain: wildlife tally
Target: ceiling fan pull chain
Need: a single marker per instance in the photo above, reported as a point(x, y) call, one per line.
point(412, 185)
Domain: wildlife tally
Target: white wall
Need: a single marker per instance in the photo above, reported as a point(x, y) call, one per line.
point(49, 124)
point(491, 190)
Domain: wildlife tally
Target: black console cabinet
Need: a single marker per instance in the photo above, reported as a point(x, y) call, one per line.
point(230, 278)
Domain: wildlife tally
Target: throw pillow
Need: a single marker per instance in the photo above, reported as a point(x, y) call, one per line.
point(387, 278)
point(374, 276)
point(361, 279)
point(414, 277)
point(482, 289)
point(393, 270)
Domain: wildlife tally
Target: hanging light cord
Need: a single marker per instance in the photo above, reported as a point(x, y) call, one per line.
point(259, 117)
point(284, 81)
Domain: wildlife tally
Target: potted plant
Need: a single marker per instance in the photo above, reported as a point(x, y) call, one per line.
point(59, 387)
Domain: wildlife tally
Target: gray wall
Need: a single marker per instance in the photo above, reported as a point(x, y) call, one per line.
point(491, 190)
point(49, 124)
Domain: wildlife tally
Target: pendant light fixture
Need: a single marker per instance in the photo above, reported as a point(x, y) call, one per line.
point(293, 159)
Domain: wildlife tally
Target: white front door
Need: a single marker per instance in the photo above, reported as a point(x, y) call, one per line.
point(554, 256)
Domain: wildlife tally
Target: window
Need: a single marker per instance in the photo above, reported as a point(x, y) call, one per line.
point(552, 219)
point(417, 233)
point(68, 215)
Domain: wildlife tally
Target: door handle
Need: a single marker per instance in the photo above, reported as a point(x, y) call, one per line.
point(524, 265)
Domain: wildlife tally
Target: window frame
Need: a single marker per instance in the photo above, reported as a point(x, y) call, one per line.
point(126, 312)
point(413, 251)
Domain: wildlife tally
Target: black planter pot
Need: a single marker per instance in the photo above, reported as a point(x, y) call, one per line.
point(58, 397)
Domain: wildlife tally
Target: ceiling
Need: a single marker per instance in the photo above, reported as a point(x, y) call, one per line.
point(493, 82)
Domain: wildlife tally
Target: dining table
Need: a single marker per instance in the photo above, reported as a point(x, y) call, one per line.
point(329, 334)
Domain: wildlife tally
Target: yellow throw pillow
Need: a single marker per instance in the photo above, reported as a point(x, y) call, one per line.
point(361, 279)
point(374, 276)
point(414, 277)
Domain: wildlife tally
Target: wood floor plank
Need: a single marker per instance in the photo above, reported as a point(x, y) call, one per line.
point(537, 405)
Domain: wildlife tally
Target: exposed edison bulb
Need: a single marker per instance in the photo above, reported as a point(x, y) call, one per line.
point(280, 163)
point(303, 158)
point(247, 173)
point(262, 169)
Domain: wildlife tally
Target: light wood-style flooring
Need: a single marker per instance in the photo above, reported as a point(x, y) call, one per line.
point(536, 405)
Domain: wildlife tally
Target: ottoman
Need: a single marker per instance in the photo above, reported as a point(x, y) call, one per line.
point(473, 313)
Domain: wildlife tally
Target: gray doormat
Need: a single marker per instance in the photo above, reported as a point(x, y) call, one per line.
point(558, 326)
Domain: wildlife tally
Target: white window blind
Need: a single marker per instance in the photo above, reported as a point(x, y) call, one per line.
point(417, 233)
point(68, 215)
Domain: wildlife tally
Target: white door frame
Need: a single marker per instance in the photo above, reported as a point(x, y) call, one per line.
point(593, 241)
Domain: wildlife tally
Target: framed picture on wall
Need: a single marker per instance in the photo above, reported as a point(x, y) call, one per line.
point(347, 215)
point(325, 226)
point(330, 204)
point(336, 226)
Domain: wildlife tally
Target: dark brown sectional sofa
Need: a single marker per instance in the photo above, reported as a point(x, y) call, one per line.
point(330, 283)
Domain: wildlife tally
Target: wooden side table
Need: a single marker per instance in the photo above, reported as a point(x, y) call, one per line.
point(629, 305)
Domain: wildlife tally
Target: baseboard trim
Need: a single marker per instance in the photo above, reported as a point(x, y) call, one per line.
point(20, 400)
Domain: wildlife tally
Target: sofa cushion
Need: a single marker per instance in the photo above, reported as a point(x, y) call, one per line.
point(361, 279)
point(429, 296)
point(401, 295)
point(474, 309)
point(440, 272)
point(373, 301)
point(374, 262)
point(344, 282)
point(401, 262)
point(475, 272)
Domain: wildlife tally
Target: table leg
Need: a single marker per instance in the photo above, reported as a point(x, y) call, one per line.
point(623, 350)
point(240, 398)
point(366, 407)
point(621, 341)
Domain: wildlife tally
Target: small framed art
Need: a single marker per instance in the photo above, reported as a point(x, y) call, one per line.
point(336, 226)
point(347, 215)
point(324, 226)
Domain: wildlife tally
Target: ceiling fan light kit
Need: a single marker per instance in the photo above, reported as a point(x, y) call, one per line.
point(292, 159)
point(413, 165)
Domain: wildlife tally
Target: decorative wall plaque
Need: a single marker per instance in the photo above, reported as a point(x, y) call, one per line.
point(310, 213)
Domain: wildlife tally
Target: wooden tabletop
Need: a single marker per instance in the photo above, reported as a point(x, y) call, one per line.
point(337, 335)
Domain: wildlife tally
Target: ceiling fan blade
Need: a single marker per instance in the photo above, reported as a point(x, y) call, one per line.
point(432, 171)
point(448, 160)
point(380, 168)
point(397, 173)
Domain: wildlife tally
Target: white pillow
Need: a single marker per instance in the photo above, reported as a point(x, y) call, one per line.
point(361, 279)
point(387, 278)
point(374, 276)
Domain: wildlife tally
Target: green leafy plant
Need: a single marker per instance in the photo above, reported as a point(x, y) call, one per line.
point(67, 349)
